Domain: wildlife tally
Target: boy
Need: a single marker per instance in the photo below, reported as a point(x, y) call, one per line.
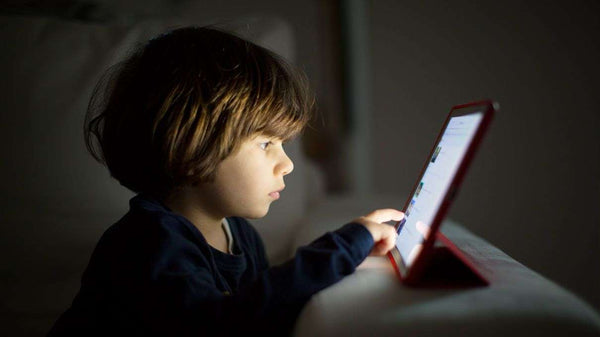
point(194, 122)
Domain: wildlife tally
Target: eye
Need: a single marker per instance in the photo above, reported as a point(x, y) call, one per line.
point(265, 145)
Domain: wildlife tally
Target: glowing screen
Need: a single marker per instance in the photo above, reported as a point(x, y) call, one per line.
point(432, 188)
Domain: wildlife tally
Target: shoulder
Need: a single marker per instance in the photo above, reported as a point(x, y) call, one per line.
point(160, 241)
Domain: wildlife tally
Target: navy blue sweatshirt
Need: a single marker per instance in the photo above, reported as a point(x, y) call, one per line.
point(153, 274)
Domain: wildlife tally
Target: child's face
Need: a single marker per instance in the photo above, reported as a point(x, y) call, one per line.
point(248, 181)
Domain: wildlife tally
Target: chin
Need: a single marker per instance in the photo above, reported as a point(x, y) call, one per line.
point(257, 214)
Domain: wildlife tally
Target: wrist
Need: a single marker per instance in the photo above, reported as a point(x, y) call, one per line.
point(359, 237)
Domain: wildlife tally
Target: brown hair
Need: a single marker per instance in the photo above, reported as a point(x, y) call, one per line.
point(178, 106)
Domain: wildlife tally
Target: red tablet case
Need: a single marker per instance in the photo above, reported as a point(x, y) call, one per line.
point(440, 262)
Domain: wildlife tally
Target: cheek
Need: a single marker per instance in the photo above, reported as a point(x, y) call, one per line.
point(247, 174)
point(243, 198)
point(238, 183)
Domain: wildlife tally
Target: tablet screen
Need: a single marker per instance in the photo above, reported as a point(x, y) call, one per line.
point(437, 178)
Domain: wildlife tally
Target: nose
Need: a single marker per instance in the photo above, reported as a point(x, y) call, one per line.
point(285, 165)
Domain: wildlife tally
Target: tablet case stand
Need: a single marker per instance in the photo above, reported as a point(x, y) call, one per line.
point(448, 267)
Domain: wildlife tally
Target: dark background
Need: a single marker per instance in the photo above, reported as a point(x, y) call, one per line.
point(534, 189)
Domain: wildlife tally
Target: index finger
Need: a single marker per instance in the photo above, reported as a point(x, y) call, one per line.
point(385, 215)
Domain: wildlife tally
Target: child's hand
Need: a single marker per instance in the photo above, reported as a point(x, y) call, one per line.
point(384, 235)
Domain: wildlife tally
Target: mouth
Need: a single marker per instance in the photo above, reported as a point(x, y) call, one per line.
point(276, 194)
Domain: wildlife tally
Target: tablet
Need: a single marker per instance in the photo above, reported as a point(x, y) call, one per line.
point(433, 192)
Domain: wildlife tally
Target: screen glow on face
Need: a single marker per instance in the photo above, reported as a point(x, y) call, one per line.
point(428, 196)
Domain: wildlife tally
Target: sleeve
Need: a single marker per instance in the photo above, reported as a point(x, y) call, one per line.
point(193, 305)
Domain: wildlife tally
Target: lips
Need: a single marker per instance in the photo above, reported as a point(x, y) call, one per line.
point(276, 194)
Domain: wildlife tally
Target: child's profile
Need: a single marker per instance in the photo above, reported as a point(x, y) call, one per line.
point(194, 122)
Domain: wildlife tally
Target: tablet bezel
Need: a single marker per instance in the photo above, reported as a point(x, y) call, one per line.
point(412, 274)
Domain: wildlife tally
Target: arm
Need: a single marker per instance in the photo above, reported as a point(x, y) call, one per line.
point(118, 298)
point(271, 304)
